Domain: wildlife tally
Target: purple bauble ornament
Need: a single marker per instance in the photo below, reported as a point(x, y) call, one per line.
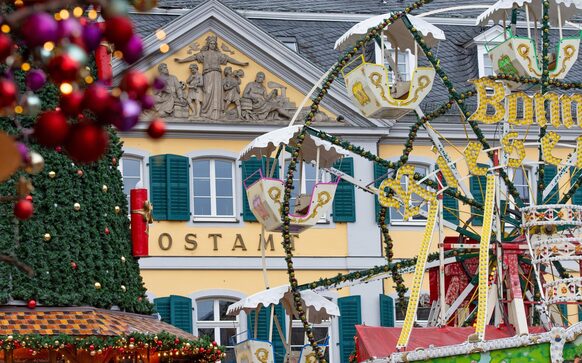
point(92, 36)
point(130, 111)
point(159, 83)
point(39, 28)
point(132, 50)
point(35, 79)
point(69, 28)
point(24, 152)
point(147, 102)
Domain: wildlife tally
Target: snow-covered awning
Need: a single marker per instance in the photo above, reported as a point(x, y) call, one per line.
point(502, 10)
point(318, 307)
point(397, 33)
point(266, 144)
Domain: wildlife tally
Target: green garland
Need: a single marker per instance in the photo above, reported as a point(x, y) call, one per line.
point(401, 289)
point(202, 349)
point(544, 84)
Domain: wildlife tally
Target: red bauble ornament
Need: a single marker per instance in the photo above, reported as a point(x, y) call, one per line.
point(91, 347)
point(118, 30)
point(29, 198)
point(80, 172)
point(73, 265)
point(23, 209)
point(95, 98)
point(135, 84)
point(6, 47)
point(58, 149)
point(114, 161)
point(51, 128)
point(132, 339)
point(71, 103)
point(107, 231)
point(176, 341)
point(7, 92)
point(159, 342)
point(87, 142)
point(63, 68)
point(157, 128)
point(31, 304)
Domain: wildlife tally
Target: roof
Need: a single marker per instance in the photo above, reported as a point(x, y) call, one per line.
point(81, 321)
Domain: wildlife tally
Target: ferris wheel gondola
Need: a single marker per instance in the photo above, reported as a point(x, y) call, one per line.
point(519, 55)
point(377, 91)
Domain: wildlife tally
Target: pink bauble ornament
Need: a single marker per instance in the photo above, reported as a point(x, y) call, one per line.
point(38, 29)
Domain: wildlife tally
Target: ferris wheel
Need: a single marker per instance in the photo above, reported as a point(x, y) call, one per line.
point(504, 200)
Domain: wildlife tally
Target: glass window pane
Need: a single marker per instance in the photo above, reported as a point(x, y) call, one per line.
point(202, 206)
point(297, 336)
point(202, 187)
point(131, 167)
point(223, 306)
point(206, 332)
point(310, 172)
point(230, 357)
point(320, 333)
point(205, 310)
point(223, 168)
point(226, 334)
point(224, 187)
point(224, 207)
point(129, 183)
point(201, 168)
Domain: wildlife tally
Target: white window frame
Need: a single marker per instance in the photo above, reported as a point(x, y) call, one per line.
point(381, 59)
point(213, 217)
point(218, 324)
point(480, 41)
point(399, 323)
point(289, 42)
point(531, 178)
point(297, 324)
point(143, 178)
point(324, 178)
point(411, 222)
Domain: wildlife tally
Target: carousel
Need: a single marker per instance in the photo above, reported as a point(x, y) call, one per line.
point(505, 282)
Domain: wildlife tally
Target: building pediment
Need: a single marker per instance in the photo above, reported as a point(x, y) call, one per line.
point(220, 68)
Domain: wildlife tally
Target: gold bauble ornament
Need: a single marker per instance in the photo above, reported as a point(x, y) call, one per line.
point(131, 346)
point(9, 338)
point(99, 351)
point(77, 206)
point(47, 237)
point(52, 174)
point(36, 163)
point(97, 285)
point(117, 209)
point(104, 188)
point(93, 353)
point(123, 288)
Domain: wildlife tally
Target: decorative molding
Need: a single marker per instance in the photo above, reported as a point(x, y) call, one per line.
point(254, 263)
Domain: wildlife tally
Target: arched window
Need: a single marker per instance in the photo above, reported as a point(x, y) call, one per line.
point(212, 321)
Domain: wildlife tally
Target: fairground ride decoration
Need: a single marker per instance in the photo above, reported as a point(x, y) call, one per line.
point(513, 282)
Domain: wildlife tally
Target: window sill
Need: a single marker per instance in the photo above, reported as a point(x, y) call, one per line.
point(408, 223)
point(215, 220)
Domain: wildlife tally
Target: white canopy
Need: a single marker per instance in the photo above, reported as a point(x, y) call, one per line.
point(266, 144)
point(397, 33)
point(317, 307)
point(502, 10)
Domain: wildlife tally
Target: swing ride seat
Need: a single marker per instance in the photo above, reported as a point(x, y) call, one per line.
point(254, 351)
point(375, 97)
point(265, 198)
point(518, 56)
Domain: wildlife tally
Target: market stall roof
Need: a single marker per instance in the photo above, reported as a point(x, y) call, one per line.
point(82, 321)
point(266, 144)
point(397, 32)
point(502, 10)
point(318, 307)
point(379, 342)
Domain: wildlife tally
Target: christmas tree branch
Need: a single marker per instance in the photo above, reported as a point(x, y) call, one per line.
point(11, 260)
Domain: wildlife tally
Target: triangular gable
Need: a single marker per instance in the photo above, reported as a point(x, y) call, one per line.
point(238, 33)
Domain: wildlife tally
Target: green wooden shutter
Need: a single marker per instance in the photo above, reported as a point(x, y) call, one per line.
point(278, 345)
point(477, 186)
point(344, 203)
point(159, 186)
point(262, 326)
point(450, 204)
point(564, 312)
point(351, 315)
point(550, 172)
point(162, 306)
point(577, 197)
point(386, 311)
point(579, 313)
point(248, 168)
point(178, 188)
point(379, 175)
point(181, 312)
point(170, 189)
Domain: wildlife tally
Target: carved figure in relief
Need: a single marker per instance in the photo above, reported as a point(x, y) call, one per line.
point(261, 105)
point(194, 84)
point(231, 84)
point(170, 100)
point(211, 58)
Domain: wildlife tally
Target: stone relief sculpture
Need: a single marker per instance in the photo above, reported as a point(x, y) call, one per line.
point(211, 58)
point(170, 101)
point(214, 92)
